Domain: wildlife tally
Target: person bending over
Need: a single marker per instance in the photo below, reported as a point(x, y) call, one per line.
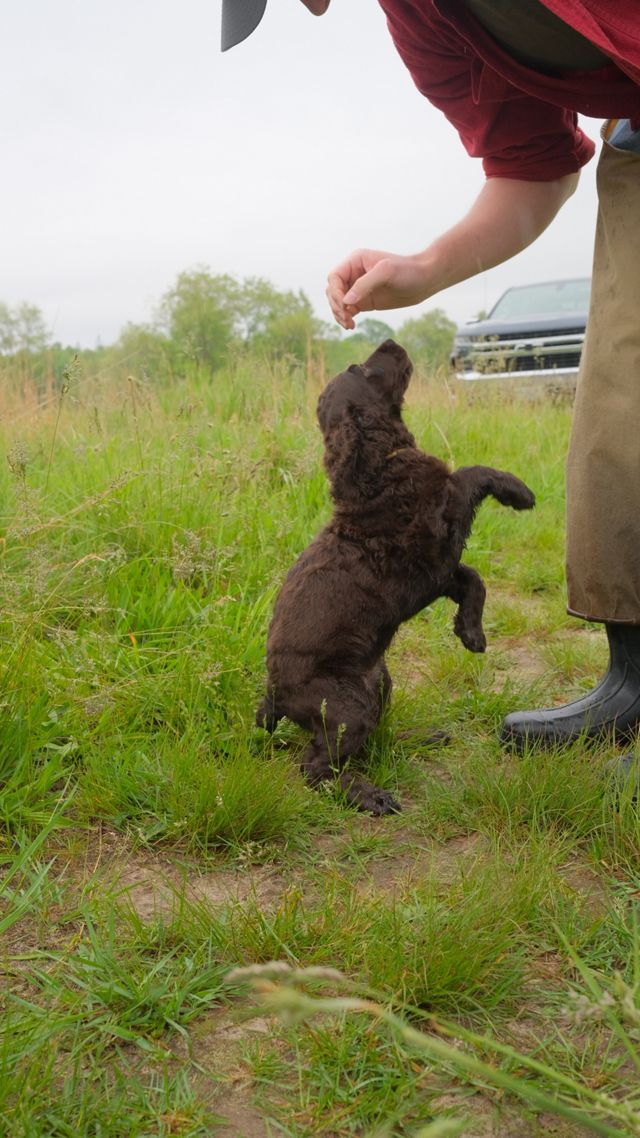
point(511, 77)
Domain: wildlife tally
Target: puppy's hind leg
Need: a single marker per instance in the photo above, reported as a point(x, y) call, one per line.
point(340, 727)
point(478, 482)
point(383, 685)
point(268, 715)
point(467, 590)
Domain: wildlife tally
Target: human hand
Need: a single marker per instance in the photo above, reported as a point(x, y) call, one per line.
point(370, 279)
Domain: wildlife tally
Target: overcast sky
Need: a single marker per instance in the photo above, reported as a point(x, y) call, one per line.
point(133, 149)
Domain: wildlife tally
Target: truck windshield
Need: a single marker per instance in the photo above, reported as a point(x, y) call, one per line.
point(551, 298)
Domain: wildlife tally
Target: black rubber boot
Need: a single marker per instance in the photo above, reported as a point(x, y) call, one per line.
point(612, 709)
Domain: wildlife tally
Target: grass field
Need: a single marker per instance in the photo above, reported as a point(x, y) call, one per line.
point(471, 966)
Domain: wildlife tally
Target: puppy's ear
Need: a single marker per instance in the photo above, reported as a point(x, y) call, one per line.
point(343, 461)
point(369, 371)
point(372, 371)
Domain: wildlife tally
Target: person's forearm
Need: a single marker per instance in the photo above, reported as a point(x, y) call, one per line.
point(506, 216)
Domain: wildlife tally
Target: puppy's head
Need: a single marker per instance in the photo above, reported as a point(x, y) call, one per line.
point(377, 386)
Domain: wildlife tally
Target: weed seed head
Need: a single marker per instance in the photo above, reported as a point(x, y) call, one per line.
point(622, 1001)
point(18, 459)
point(193, 561)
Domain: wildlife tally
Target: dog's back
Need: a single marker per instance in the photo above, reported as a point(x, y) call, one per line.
point(364, 574)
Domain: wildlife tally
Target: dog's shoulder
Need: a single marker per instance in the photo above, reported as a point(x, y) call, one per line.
point(421, 472)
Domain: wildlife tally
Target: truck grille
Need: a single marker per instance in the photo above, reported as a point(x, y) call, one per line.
point(509, 355)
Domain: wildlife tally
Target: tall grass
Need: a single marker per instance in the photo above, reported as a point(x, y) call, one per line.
point(145, 531)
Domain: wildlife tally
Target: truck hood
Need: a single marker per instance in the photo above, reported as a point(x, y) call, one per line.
point(525, 326)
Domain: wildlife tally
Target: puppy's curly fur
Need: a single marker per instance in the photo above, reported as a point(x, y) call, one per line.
point(393, 545)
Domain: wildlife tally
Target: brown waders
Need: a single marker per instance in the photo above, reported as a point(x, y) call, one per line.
point(603, 469)
point(603, 473)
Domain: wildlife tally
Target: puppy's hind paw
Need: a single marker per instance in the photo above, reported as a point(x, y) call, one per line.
point(379, 802)
point(362, 794)
point(267, 717)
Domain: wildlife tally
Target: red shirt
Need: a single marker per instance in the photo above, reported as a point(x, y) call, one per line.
point(521, 122)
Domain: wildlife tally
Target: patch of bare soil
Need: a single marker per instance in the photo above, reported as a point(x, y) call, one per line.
point(216, 1047)
point(393, 864)
point(241, 1119)
point(502, 593)
point(152, 888)
point(223, 1080)
point(409, 863)
point(403, 858)
point(489, 1119)
point(152, 881)
point(523, 660)
point(591, 887)
point(410, 669)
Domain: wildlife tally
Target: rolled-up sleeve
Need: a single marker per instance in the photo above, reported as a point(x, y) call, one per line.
point(517, 135)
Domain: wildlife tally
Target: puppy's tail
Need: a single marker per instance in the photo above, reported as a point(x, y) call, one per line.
point(479, 482)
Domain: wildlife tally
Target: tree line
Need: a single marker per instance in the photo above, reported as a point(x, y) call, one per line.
point(207, 319)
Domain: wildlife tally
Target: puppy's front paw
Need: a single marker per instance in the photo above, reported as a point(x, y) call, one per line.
point(519, 496)
point(473, 638)
point(474, 641)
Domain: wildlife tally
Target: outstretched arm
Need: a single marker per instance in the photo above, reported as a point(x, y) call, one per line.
point(507, 215)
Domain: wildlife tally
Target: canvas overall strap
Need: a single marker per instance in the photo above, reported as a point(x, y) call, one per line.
point(536, 37)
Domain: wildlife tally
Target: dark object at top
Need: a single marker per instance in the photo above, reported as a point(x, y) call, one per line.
point(533, 331)
point(239, 19)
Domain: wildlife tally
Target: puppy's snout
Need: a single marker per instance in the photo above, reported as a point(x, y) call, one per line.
point(390, 353)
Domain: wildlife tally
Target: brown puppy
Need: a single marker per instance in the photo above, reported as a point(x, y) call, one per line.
point(393, 545)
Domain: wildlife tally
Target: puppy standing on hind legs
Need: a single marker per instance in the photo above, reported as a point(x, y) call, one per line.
point(393, 545)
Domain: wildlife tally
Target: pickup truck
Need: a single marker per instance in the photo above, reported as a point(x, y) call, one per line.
point(534, 331)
